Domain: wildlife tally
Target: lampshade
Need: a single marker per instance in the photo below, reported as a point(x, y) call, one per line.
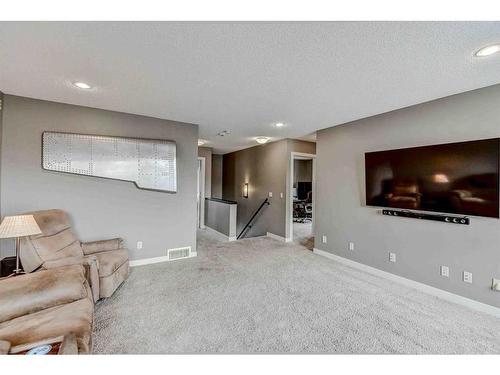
point(19, 226)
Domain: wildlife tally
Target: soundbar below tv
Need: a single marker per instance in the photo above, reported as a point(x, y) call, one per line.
point(457, 178)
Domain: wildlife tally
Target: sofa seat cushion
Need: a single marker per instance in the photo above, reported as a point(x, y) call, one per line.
point(110, 261)
point(26, 294)
point(75, 317)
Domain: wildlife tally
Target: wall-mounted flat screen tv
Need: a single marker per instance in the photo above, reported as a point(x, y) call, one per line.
point(458, 178)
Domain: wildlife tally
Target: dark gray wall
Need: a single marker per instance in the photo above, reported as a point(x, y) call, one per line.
point(100, 208)
point(421, 246)
point(1, 131)
point(302, 170)
point(265, 168)
point(216, 176)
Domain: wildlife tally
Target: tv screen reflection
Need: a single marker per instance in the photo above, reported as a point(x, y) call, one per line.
point(459, 178)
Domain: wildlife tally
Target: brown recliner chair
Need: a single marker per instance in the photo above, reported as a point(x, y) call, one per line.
point(47, 306)
point(106, 262)
point(405, 194)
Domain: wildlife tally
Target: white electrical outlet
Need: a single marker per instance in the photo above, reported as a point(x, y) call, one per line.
point(495, 285)
point(445, 271)
point(324, 239)
point(281, 195)
point(139, 245)
point(392, 257)
point(351, 246)
point(270, 194)
point(467, 277)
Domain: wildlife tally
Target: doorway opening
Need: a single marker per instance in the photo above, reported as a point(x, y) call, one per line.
point(301, 197)
point(200, 204)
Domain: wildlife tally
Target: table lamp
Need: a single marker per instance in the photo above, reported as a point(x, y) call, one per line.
point(16, 227)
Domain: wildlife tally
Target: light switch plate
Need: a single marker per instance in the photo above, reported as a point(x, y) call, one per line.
point(281, 195)
point(392, 257)
point(270, 194)
point(351, 246)
point(445, 271)
point(467, 277)
point(139, 245)
point(324, 239)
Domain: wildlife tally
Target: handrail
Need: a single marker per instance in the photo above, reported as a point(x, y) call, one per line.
point(253, 216)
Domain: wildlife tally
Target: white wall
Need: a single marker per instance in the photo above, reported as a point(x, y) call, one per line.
point(99, 208)
point(206, 152)
point(421, 246)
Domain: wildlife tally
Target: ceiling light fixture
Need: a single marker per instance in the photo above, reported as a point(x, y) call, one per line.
point(82, 85)
point(279, 124)
point(224, 133)
point(201, 142)
point(262, 140)
point(488, 51)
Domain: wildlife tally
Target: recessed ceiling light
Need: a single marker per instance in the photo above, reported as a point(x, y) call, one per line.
point(262, 140)
point(201, 142)
point(279, 124)
point(82, 85)
point(488, 51)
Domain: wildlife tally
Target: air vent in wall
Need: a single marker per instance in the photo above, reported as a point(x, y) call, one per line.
point(182, 252)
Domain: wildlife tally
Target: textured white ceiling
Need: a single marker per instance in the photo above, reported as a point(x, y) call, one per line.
point(246, 76)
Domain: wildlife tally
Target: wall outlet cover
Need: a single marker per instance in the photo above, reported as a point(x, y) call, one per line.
point(324, 239)
point(445, 271)
point(351, 246)
point(495, 285)
point(392, 257)
point(270, 194)
point(467, 277)
point(139, 245)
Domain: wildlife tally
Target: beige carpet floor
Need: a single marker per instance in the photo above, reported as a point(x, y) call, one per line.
point(262, 296)
point(302, 235)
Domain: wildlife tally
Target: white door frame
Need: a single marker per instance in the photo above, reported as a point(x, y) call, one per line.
point(201, 194)
point(289, 195)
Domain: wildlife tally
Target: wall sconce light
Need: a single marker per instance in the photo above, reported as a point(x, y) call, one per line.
point(245, 190)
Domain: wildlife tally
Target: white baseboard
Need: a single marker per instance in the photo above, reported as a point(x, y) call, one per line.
point(448, 296)
point(227, 238)
point(145, 261)
point(278, 238)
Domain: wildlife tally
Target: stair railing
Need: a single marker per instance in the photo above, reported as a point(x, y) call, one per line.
point(249, 224)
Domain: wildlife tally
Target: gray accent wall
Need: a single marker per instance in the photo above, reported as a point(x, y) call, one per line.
point(1, 131)
point(265, 168)
point(216, 176)
point(421, 246)
point(99, 208)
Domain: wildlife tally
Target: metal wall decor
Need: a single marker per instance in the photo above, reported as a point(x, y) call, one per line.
point(149, 163)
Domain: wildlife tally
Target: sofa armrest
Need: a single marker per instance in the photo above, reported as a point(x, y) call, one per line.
point(4, 347)
point(63, 262)
point(91, 264)
point(103, 245)
point(32, 292)
point(69, 345)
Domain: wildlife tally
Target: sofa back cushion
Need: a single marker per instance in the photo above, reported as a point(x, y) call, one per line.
point(56, 241)
point(26, 294)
